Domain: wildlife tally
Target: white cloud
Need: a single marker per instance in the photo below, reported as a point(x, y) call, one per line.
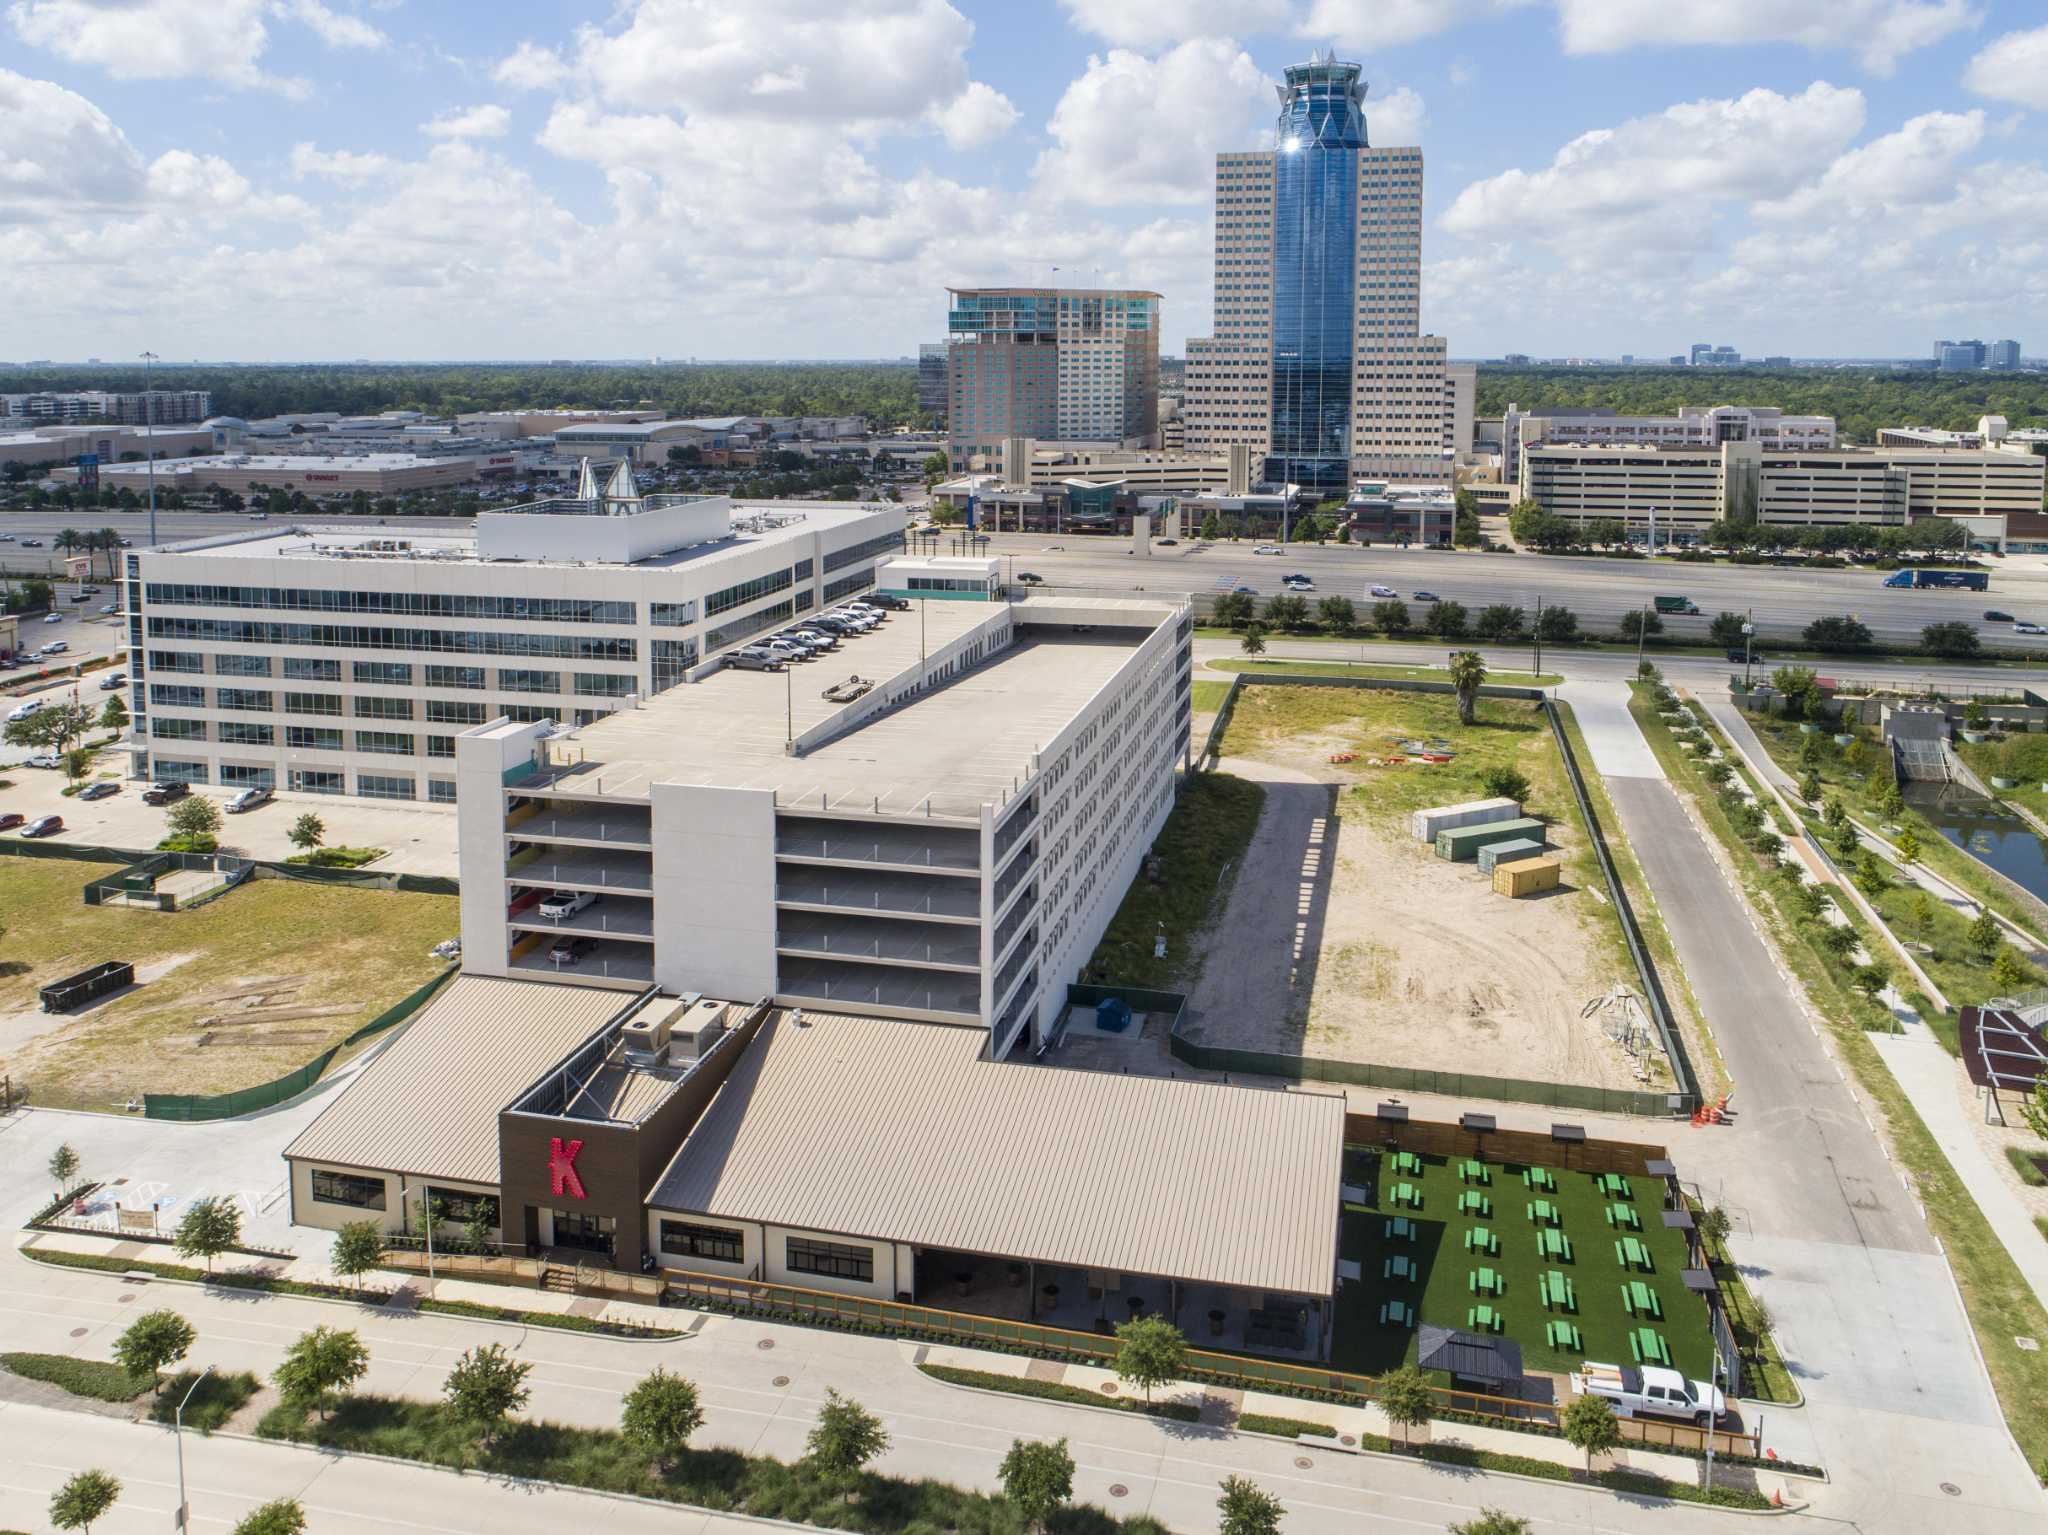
point(1878, 32)
point(337, 164)
point(1370, 25)
point(485, 122)
point(1152, 23)
point(530, 67)
point(1396, 117)
point(2013, 68)
point(220, 40)
point(334, 28)
point(192, 185)
point(60, 152)
point(980, 115)
point(1654, 177)
point(1110, 145)
point(1914, 166)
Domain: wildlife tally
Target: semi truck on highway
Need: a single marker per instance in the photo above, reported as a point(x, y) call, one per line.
point(1955, 580)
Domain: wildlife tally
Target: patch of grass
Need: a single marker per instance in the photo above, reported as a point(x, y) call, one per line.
point(338, 857)
point(720, 1479)
point(1764, 1376)
point(1440, 1293)
point(314, 946)
point(1207, 697)
point(1200, 846)
point(1382, 670)
point(1053, 1391)
point(218, 1398)
point(2022, 1159)
point(1286, 1428)
point(2000, 1304)
point(93, 1378)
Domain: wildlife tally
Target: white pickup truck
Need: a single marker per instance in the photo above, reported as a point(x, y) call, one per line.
point(1651, 1391)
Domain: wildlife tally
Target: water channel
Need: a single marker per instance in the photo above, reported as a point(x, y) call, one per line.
point(1986, 831)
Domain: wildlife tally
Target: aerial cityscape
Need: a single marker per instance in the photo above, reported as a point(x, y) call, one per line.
point(1062, 769)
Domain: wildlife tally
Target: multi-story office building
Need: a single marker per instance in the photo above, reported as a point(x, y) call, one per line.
point(1461, 392)
point(1994, 491)
point(932, 388)
point(346, 661)
point(1959, 356)
point(1317, 359)
point(946, 845)
point(159, 407)
point(1695, 426)
point(2004, 356)
point(1071, 364)
point(1707, 355)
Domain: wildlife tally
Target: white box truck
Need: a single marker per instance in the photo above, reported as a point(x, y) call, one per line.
point(1651, 1391)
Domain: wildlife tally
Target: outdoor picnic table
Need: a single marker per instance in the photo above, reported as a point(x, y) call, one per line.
point(1406, 1194)
point(1482, 1319)
point(1481, 1237)
point(1624, 1215)
point(1399, 1229)
point(1472, 1202)
point(1555, 1289)
point(1484, 1281)
point(1551, 1243)
point(1638, 1299)
point(1630, 1252)
point(1407, 1162)
point(1542, 1212)
point(1538, 1178)
point(1647, 1344)
point(1472, 1170)
point(1397, 1313)
point(1614, 1184)
point(1400, 1266)
point(1563, 1335)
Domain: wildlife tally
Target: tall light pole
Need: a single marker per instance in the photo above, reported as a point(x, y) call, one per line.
point(183, 1517)
point(1642, 630)
point(149, 435)
point(1748, 646)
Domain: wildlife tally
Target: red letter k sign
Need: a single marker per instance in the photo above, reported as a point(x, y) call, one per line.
point(562, 1167)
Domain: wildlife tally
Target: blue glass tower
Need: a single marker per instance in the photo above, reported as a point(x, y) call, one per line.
point(1315, 249)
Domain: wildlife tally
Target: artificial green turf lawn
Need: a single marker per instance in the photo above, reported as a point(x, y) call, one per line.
point(1439, 1294)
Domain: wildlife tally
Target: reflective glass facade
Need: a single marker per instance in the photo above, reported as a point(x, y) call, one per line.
point(1315, 238)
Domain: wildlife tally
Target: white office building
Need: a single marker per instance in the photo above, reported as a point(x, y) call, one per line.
point(944, 839)
point(328, 660)
point(1694, 426)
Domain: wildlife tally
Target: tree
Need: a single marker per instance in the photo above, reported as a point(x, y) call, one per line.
point(1891, 804)
point(1636, 622)
point(1712, 1223)
point(193, 817)
point(1871, 979)
point(1150, 1352)
point(1287, 612)
point(486, 1386)
point(845, 1438)
point(1973, 714)
point(1391, 616)
point(1254, 641)
point(1606, 532)
point(208, 1228)
point(1404, 1396)
point(1812, 900)
point(153, 1340)
point(307, 832)
point(1446, 620)
point(1210, 530)
point(1468, 676)
point(2011, 974)
point(1799, 687)
point(1834, 815)
point(1953, 639)
point(1871, 877)
point(319, 1365)
point(1839, 941)
point(1985, 933)
point(1590, 1426)
point(1726, 630)
point(1246, 1509)
point(358, 1248)
point(2034, 1107)
point(660, 1414)
point(280, 1516)
point(1493, 1521)
point(55, 727)
point(115, 715)
point(1038, 1479)
point(1847, 842)
point(1810, 786)
point(1837, 634)
point(1338, 614)
point(1234, 608)
point(84, 1499)
point(1560, 626)
point(1908, 846)
point(935, 469)
point(1500, 621)
point(63, 1166)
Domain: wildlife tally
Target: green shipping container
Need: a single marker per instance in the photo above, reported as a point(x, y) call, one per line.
point(1463, 844)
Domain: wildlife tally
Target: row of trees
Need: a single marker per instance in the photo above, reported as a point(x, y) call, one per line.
point(1535, 528)
point(1445, 620)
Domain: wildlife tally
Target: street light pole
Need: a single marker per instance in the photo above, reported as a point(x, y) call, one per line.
point(183, 1516)
point(1642, 630)
point(149, 435)
point(1537, 669)
point(1748, 646)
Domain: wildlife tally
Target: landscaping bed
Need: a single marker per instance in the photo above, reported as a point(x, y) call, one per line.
point(1053, 1391)
point(218, 1398)
point(94, 1378)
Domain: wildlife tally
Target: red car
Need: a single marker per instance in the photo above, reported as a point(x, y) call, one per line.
point(44, 826)
point(11, 819)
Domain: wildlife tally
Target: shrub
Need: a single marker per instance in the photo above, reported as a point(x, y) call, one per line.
point(1038, 1478)
point(486, 1386)
point(319, 1365)
point(1244, 1508)
point(208, 1228)
point(153, 1340)
point(1150, 1352)
point(1505, 782)
point(83, 1500)
point(660, 1414)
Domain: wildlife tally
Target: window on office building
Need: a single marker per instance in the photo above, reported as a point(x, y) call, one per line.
point(605, 684)
point(526, 680)
point(242, 666)
point(389, 673)
point(441, 791)
point(172, 695)
point(456, 711)
point(455, 676)
point(394, 743)
point(313, 738)
point(686, 1239)
point(835, 1260)
point(311, 669)
point(384, 786)
point(375, 707)
point(248, 700)
point(361, 1193)
point(177, 730)
point(312, 703)
point(242, 733)
point(440, 746)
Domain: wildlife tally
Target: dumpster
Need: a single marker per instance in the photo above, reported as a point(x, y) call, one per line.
point(75, 991)
point(1423, 825)
point(1525, 877)
point(1112, 1015)
point(1463, 845)
point(1492, 857)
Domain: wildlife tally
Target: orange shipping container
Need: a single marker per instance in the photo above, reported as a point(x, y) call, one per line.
point(1525, 876)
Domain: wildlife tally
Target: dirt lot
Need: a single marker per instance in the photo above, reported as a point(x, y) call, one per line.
point(1344, 938)
point(231, 993)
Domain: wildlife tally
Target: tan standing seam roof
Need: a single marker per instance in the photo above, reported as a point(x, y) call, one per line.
point(429, 1104)
point(898, 1132)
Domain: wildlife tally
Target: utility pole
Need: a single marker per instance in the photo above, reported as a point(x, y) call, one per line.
point(1748, 646)
point(149, 434)
point(183, 1517)
point(1642, 630)
point(1537, 669)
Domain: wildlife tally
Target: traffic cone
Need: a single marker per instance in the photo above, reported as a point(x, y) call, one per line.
point(1777, 1499)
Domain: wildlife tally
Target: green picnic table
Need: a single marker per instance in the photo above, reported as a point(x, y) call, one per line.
point(1399, 1229)
point(1560, 1334)
point(1630, 1252)
point(1400, 1266)
point(1472, 1202)
point(1482, 1319)
point(1542, 1212)
point(1472, 1170)
point(1614, 1185)
point(1482, 1238)
point(1556, 1290)
point(1407, 1162)
point(1407, 1194)
point(1624, 1215)
point(1484, 1281)
point(1647, 1344)
point(1638, 1299)
point(1554, 1245)
point(1538, 1178)
point(1397, 1313)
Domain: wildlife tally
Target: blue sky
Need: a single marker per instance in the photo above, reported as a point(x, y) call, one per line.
point(282, 179)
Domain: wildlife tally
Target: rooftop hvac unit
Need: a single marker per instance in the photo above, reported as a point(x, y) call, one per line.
point(647, 1040)
point(697, 1027)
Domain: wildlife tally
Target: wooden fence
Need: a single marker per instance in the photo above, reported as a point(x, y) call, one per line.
point(1531, 1148)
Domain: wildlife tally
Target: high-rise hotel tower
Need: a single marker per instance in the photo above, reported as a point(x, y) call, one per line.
point(1317, 358)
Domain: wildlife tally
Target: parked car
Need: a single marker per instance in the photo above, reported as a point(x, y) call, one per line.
point(1993, 616)
point(569, 951)
point(44, 826)
point(785, 650)
point(824, 639)
point(1030, 578)
point(756, 658)
point(81, 596)
point(113, 682)
point(112, 607)
point(1427, 597)
point(53, 618)
point(103, 789)
point(12, 819)
point(806, 648)
point(26, 708)
point(249, 799)
point(1384, 591)
point(56, 647)
point(898, 604)
point(47, 760)
point(566, 903)
point(165, 793)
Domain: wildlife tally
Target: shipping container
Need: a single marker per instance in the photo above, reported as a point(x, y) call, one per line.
point(1423, 825)
point(1525, 877)
point(1498, 853)
point(1463, 844)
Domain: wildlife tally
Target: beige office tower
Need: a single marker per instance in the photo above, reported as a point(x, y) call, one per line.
point(1317, 357)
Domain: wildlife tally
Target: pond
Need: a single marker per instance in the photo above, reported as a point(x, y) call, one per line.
point(1987, 832)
